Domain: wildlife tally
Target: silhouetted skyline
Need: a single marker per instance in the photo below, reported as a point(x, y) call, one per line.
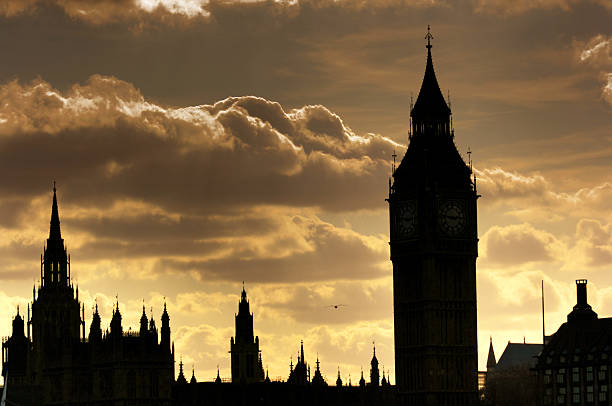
point(210, 144)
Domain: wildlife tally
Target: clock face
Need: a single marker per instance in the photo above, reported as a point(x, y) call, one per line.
point(406, 219)
point(452, 217)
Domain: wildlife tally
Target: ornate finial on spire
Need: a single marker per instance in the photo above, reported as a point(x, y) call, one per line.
point(429, 37)
point(469, 154)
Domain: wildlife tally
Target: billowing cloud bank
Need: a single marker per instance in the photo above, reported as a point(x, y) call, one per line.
point(229, 190)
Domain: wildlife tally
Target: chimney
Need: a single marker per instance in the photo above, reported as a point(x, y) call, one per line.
point(582, 310)
point(581, 292)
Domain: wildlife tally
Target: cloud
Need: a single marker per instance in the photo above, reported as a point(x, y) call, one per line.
point(168, 11)
point(597, 53)
point(523, 6)
point(107, 11)
point(314, 303)
point(533, 196)
point(519, 244)
point(304, 249)
point(227, 191)
point(594, 242)
point(104, 138)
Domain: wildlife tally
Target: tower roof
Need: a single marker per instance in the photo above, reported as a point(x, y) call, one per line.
point(374, 359)
point(54, 230)
point(491, 357)
point(430, 103)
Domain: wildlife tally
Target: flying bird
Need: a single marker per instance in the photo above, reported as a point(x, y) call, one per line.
point(336, 306)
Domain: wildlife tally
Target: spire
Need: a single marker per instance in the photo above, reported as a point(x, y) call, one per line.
point(181, 377)
point(374, 359)
point(430, 104)
point(143, 322)
point(302, 351)
point(218, 379)
point(54, 231)
point(95, 330)
point(491, 357)
point(55, 258)
point(374, 372)
point(193, 378)
point(165, 316)
point(339, 380)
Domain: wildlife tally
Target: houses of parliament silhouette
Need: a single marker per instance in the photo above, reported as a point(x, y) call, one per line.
point(433, 242)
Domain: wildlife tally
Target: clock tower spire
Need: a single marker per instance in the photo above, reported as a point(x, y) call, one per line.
point(432, 207)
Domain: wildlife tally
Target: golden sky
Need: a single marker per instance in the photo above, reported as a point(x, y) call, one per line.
point(200, 144)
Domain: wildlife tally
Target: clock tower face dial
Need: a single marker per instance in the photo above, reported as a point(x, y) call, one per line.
point(406, 219)
point(452, 217)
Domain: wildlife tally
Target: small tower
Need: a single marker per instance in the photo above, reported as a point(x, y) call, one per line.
point(491, 357)
point(15, 353)
point(193, 378)
point(300, 373)
point(362, 382)
point(115, 324)
point(218, 379)
point(339, 380)
point(374, 373)
point(165, 331)
point(181, 376)
point(95, 329)
point(244, 348)
point(317, 379)
point(153, 330)
point(143, 323)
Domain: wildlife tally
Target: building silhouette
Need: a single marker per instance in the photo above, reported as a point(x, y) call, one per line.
point(374, 373)
point(512, 379)
point(246, 360)
point(56, 363)
point(432, 206)
point(299, 389)
point(434, 245)
point(574, 366)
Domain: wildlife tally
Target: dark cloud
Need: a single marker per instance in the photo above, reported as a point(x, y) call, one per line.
point(104, 141)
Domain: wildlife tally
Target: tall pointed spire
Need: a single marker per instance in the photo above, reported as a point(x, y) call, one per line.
point(54, 231)
point(430, 105)
point(491, 357)
point(55, 257)
point(302, 351)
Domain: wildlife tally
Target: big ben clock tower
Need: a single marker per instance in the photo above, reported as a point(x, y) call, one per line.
point(434, 245)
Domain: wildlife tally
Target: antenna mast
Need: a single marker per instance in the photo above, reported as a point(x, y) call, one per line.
point(543, 325)
point(410, 119)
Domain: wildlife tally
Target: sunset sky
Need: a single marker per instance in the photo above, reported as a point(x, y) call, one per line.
point(198, 144)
